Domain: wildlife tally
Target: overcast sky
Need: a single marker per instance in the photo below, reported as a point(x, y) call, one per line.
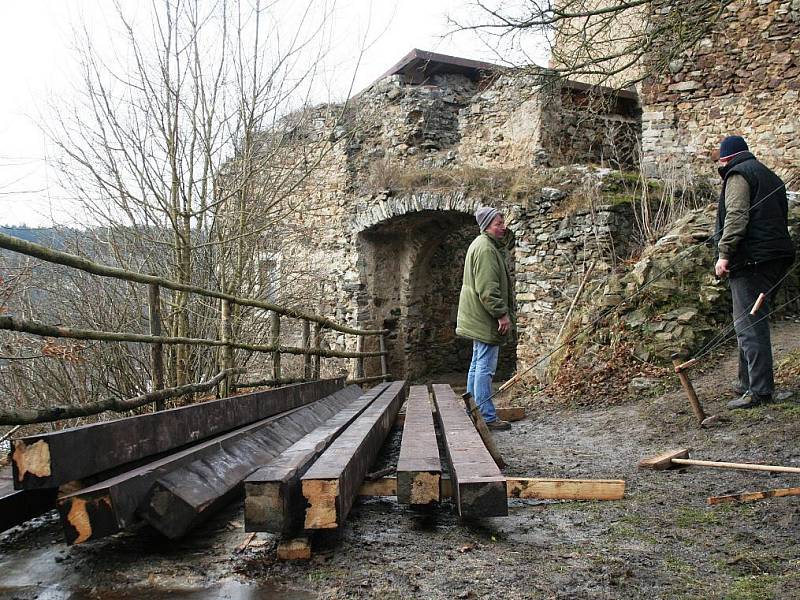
point(38, 68)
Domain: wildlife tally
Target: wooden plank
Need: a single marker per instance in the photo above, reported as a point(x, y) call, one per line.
point(565, 489)
point(331, 485)
point(52, 459)
point(663, 461)
point(753, 496)
point(418, 467)
point(17, 506)
point(274, 499)
point(188, 495)
point(479, 489)
point(111, 505)
point(294, 549)
point(521, 487)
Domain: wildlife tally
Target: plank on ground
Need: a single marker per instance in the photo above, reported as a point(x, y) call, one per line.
point(528, 488)
point(753, 496)
point(418, 466)
point(52, 459)
point(111, 505)
point(331, 484)
point(186, 496)
point(274, 499)
point(479, 489)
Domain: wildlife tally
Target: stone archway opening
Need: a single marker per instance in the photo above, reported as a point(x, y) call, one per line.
point(411, 266)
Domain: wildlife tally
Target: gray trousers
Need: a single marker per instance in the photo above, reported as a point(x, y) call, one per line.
point(752, 331)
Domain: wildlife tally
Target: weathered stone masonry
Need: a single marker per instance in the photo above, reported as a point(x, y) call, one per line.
point(743, 79)
point(393, 259)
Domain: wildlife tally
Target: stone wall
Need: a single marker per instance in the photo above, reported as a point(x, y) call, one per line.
point(377, 256)
point(744, 79)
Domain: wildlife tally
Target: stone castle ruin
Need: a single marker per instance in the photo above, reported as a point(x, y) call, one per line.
point(387, 216)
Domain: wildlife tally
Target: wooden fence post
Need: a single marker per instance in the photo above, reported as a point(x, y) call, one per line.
point(317, 344)
point(384, 368)
point(226, 387)
point(156, 350)
point(359, 374)
point(306, 345)
point(275, 327)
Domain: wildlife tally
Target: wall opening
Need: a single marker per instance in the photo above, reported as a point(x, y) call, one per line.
point(412, 266)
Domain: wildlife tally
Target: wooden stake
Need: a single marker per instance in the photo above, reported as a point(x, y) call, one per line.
point(752, 496)
point(483, 430)
point(157, 349)
point(690, 393)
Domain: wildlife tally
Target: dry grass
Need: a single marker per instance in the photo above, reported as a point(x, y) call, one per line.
point(416, 177)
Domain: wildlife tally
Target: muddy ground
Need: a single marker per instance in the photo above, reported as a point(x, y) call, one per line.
point(661, 541)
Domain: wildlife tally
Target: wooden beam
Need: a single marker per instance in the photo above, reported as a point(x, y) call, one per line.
point(418, 467)
point(479, 488)
point(528, 488)
point(52, 459)
point(111, 505)
point(663, 461)
point(17, 506)
point(331, 485)
point(294, 549)
point(188, 495)
point(565, 489)
point(274, 499)
point(752, 496)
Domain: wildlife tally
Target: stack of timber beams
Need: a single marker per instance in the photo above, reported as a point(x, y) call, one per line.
point(478, 487)
point(419, 469)
point(332, 483)
point(84, 458)
point(274, 499)
point(185, 496)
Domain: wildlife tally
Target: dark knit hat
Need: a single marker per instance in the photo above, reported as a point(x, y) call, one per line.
point(484, 216)
point(733, 144)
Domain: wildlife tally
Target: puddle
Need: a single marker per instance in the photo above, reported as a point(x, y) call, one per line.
point(230, 590)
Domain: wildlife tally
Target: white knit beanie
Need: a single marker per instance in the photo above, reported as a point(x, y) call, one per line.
point(484, 216)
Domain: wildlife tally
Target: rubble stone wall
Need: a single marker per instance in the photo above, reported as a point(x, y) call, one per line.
point(376, 256)
point(744, 79)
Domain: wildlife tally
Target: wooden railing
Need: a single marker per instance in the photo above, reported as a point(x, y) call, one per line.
point(226, 379)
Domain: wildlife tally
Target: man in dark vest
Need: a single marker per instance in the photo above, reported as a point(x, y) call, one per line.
point(486, 312)
point(754, 252)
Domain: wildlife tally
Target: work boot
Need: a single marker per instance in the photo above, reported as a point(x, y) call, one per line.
point(739, 388)
point(499, 425)
point(749, 400)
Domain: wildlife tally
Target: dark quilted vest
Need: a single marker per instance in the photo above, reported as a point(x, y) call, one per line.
point(767, 236)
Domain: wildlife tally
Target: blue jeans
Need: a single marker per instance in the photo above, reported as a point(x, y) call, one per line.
point(479, 379)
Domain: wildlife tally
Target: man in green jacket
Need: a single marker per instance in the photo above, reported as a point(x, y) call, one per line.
point(486, 312)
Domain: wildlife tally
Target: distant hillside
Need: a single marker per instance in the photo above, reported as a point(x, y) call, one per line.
point(48, 236)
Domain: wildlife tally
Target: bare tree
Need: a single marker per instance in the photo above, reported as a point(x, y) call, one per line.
point(611, 42)
point(167, 152)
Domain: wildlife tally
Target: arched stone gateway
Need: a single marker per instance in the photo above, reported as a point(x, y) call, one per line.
point(411, 263)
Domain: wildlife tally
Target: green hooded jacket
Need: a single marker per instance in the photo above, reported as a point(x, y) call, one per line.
point(486, 292)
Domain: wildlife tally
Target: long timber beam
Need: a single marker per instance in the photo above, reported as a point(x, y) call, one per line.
point(186, 496)
point(17, 506)
point(111, 505)
point(53, 459)
point(331, 485)
point(479, 489)
point(274, 499)
point(418, 467)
